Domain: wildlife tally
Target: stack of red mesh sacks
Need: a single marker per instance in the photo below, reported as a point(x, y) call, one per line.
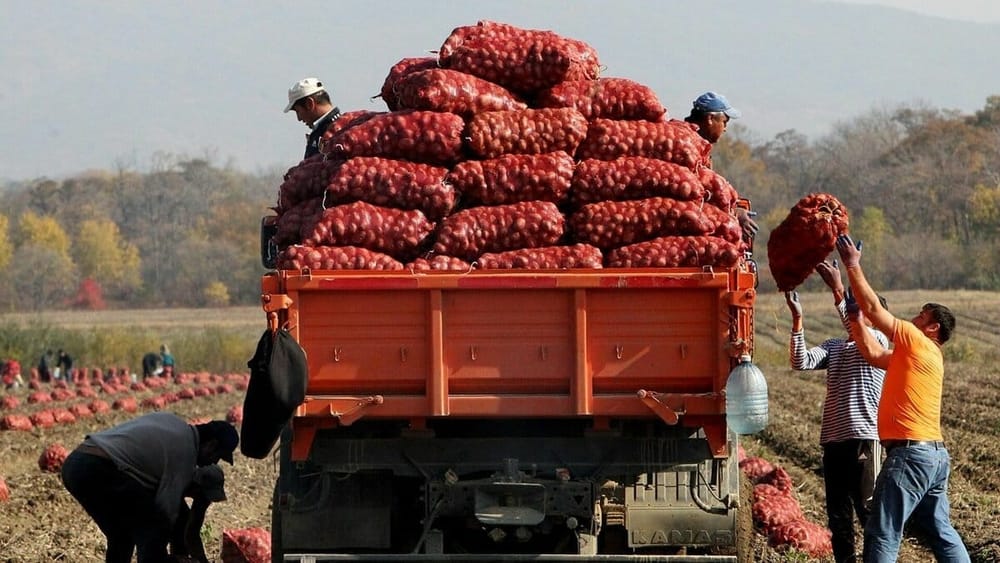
point(776, 511)
point(507, 150)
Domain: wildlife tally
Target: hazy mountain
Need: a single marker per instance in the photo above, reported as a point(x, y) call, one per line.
point(95, 85)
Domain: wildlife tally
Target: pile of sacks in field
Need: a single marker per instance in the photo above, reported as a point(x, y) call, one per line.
point(776, 511)
point(507, 150)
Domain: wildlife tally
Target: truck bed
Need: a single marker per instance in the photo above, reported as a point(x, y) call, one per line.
point(603, 344)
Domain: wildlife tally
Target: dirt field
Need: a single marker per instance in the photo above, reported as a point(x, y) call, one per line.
point(41, 522)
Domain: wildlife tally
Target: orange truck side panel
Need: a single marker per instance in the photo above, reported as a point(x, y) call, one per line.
point(596, 343)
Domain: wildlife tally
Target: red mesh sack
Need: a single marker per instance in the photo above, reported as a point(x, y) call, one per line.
point(546, 258)
point(610, 224)
point(63, 416)
point(4, 491)
point(43, 419)
point(633, 177)
point(98, 406)
point(246, 545)
point(726, 225)
point(298, 257)
point(805, 238)
point(522, 60)
point(530, 131)
point(420, 136)
point(673, 141)
point(808, 537)
point(52, 458)
point(127, 404)
point(755, 467)
point(770, 512)
point(399, 71)
point(81, 411)
point(346, 120)
point(391, 183)
point(306, 180)
point(442, 89)
point(675, 252)
point(291, 224)
point(438, 262)
point(609, 98)
point(9, 402)
point(397, 232)
point(16, 422)
point(513, 178)
point(469, 233)
point(719, 192)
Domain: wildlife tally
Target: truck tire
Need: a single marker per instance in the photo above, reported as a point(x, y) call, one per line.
point(277, 551)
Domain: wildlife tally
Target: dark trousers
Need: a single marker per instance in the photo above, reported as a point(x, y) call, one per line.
point(849, 471)
point(120, 506)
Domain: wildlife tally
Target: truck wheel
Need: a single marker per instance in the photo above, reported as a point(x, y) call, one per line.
point(277, 551)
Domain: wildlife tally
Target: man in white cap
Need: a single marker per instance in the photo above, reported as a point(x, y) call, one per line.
point(311, 102)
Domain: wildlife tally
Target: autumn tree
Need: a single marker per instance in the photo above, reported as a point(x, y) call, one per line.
point(40, 278)
point(102, 255)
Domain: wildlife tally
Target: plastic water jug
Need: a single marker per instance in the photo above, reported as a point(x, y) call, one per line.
point(746, 398)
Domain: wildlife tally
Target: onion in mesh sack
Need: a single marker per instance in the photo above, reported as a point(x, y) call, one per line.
point(673, 141)
point(442, 89)
point(610, 224)
point(609, 98)
point(469, 233)
point(633, 177)
point(513, 178)
point(521, 60)
point(530, 131)
point(805, 238)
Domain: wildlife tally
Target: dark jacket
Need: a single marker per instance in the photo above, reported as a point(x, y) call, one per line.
point(320, 127)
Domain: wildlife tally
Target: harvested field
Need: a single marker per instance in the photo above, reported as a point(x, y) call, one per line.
point(41, 522)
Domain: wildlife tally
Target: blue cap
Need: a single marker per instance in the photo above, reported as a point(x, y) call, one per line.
point(712, 102)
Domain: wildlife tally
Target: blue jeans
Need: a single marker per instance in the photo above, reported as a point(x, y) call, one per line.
point(913, 482)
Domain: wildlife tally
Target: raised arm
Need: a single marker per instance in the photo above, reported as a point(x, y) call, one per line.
point(868, 346)
point(867, 300)
point(831, 276)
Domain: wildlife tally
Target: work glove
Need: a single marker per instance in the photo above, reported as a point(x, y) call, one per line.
point(747, 224)
point(792, 299)
point(851, 306)
point(850, 251)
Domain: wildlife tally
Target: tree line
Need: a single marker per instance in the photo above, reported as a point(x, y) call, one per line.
point(921, 186)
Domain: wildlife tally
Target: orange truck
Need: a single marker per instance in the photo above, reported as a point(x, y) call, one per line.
point(513, 415)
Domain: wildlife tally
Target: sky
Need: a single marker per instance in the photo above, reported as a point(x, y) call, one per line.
point(120, 84)
point(980, 11)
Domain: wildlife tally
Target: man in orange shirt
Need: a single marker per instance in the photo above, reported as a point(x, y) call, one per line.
point(914, 477)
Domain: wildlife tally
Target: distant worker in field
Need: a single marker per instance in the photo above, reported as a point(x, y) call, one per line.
point(852, 455)
point(167, 361)
point(132, 478)
point(311, 102)
point(711, 112)
point(151, 365)
point(914, 478)
point(46, 365)
point(207, 486)
point(65, 363)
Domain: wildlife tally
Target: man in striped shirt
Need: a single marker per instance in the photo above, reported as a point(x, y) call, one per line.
point(849, 434)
